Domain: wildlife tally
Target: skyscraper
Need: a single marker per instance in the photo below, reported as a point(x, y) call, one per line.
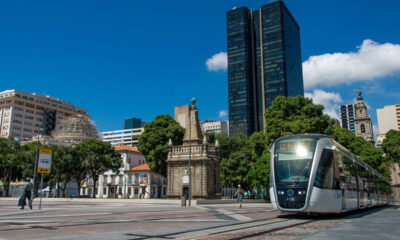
point(133, 123)
point(347, 114)
point(264, 61)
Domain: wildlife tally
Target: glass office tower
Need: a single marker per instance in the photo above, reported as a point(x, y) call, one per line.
point(347, 116)
point(133, 123)
point(264, 61)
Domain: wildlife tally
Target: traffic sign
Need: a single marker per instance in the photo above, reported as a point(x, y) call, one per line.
point(44, 161)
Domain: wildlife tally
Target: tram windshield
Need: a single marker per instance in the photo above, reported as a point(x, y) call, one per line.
point(293, 158)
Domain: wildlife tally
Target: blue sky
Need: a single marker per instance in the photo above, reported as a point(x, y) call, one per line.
point(122, 59)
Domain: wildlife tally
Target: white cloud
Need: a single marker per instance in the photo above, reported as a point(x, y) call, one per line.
point(218, 62)
point(222, 113)
point(330, 101)
point(372, 61)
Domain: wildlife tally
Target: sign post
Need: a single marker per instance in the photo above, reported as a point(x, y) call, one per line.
point(44, 166)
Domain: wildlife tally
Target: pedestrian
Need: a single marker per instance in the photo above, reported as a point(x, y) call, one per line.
point(27, 194)
point(239, 195)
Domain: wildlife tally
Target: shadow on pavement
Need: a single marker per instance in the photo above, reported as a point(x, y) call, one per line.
point(333, 216)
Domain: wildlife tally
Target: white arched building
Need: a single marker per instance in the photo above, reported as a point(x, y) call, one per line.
point(134, 180)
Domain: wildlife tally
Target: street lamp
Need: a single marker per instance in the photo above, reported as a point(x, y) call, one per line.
point(193, 101)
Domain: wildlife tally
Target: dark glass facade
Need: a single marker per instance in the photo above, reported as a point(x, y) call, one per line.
point(347, 115)
point(264, 61)
point(132, 123)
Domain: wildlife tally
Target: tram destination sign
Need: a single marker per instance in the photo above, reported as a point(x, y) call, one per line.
point(44, 161)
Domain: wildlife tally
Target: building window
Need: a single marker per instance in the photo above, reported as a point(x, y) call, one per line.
point(362, 128)
point(104, 191)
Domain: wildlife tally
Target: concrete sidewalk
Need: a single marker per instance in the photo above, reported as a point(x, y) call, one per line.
point(374, 224)
point(141, 201)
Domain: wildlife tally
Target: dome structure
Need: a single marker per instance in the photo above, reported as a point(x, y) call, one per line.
point(74, 130)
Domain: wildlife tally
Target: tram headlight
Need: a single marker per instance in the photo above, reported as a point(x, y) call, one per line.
point(301, 192)
point(280, 192)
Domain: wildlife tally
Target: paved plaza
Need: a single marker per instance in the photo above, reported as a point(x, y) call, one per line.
point(95, 219)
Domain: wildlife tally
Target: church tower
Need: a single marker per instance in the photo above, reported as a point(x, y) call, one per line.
point(362, 121)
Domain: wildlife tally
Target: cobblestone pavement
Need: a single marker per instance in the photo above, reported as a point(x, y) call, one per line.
point(103, 220)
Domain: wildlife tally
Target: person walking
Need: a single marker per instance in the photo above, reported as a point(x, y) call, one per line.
point(239, 194)
point(26, 195)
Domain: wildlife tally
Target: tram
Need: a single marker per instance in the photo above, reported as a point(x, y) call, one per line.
point(312, 173)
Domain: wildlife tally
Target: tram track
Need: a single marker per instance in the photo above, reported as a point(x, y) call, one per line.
point(239, 228)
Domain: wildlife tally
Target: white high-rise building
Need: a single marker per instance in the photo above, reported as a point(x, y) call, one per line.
point(128, 137)
point(24, 115)
point(216, 127)
point(388, 119)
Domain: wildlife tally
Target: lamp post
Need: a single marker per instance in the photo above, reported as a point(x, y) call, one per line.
point(193, 101)
point(35, 168)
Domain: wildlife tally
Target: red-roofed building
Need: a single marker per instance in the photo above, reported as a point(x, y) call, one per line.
point(147, 184)
point(134, 180)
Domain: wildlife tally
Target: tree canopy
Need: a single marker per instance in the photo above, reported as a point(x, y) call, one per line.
point(91, 157)
point(153, 143)
point(359, 146)
point(244, 160)
point(391, 146)
point(97, 157)
point(295, 115)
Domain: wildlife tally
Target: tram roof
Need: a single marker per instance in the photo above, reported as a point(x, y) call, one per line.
point(309, 135)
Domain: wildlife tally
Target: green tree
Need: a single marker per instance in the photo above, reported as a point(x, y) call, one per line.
point(9, 154)
point(230, 151)
point(295, 115)
point(244, 160)
point(211, 137)
point(63, 166)
point(153, 143)
point(362, 148)
point(391, 146)
point(26, 162)
point(97, 157)
point(228, 145)
point(258, 174)
point(235, 168)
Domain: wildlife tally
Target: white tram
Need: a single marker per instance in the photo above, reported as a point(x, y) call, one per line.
point(312, 173)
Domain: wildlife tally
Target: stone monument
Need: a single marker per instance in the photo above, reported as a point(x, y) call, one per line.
point(193, 168)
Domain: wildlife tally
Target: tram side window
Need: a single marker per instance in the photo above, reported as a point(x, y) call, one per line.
point(325, 171)
point(370, 182)
point(376, 183)
point(349, 174)
point(363, 173)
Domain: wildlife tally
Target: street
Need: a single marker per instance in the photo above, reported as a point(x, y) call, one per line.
point(123, 220)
